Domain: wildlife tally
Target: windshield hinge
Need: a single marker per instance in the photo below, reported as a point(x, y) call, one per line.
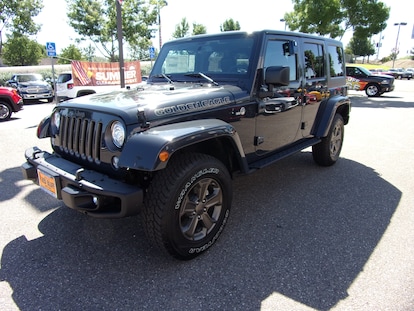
point(142, 119)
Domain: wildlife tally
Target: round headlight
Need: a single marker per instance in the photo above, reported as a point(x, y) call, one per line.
point(118, 134)
point(56, 120)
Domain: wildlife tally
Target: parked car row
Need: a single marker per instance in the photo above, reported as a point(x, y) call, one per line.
point(400, 73)
point(397, 73)
point(20, 88)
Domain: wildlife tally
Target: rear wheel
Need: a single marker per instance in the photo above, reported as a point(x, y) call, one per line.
point(327, 152)
point(187, 205)
point(5, 111)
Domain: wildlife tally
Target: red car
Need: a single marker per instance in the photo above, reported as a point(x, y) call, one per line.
point(10, 101)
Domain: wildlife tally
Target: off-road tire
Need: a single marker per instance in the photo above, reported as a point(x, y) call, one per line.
point(187, 205)
point(327, 152)
point(5, 111)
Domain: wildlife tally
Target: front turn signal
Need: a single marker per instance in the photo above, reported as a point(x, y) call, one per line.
point(163, 156)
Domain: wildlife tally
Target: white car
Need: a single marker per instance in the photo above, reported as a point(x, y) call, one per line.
point(66, 89)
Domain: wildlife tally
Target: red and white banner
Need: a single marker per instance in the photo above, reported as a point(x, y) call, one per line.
point(94, 73)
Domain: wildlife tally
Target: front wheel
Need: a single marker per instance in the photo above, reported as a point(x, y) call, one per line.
point(187, 205)
point(372, 90)
point(326, 153)
point(5, 112)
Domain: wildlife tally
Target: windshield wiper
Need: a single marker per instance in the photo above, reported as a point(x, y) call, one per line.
point(163, 75)
point(202, 75)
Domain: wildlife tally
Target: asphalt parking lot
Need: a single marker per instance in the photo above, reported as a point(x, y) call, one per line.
point(300, 237)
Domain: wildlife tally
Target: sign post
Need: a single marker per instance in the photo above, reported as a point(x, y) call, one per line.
point(51, 52)
point(120, 47)
point(151, 53)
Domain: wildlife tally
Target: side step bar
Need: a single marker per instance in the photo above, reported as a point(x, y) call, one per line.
point(274, 157)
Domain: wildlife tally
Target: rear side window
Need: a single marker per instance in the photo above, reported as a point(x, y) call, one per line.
point(64, 77)
point(314, 60)
point(336, 61)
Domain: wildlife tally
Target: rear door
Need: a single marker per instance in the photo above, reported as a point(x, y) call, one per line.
point(313, 54)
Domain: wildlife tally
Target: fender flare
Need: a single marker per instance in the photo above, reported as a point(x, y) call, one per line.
point(43, 129)
point(327, 112)
point(142, 150)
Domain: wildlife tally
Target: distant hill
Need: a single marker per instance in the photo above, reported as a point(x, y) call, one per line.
point(400, 63)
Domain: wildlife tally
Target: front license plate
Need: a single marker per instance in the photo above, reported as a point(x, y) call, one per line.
point(47, 183)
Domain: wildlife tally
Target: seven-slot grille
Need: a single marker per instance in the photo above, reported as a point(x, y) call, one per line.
point(81, 137)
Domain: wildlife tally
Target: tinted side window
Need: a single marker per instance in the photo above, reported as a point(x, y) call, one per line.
point(353, 71)
point(336, 61)
point(276, 56)
point(64, 77)
point(314, 60)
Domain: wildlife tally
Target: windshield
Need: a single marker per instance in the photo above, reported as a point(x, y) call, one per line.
point(364, 70)
point(30, 77)
point(211, 56)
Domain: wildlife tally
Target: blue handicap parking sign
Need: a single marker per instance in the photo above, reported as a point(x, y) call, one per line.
point(51, 49)
point(152, 52)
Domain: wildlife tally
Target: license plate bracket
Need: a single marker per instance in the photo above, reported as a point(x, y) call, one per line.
point(49, 182)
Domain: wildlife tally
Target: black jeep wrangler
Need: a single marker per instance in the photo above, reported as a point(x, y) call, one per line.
point(214, 107)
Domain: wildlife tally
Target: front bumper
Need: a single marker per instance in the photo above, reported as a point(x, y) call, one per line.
point(37, 95)
point(387, 88)
point(18, 106)
point(84, 190)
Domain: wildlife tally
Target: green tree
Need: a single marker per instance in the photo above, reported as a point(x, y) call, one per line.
point(365, 17)
point(17, 16)
point(334, 17)
point(140, 51)
point(89, 52)
point(159, 4)
point(182, 29)
point(70, 53)
point(15, 55)
point(361, 47)
point(96, 21)
point(199, 29)
point(229, 25)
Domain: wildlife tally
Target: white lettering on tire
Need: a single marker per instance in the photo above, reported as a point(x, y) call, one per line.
point(211, 170)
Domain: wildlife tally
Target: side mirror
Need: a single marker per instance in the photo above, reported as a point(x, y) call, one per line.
point(275, 76)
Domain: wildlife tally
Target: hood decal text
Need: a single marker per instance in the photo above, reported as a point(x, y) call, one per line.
point(197, 105)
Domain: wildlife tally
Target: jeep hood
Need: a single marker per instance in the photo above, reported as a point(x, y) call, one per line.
point(157, 101)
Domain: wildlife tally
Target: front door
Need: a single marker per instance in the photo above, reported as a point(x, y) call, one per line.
point(279, 117)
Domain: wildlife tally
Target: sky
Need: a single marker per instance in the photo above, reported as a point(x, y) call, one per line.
point(251, 15)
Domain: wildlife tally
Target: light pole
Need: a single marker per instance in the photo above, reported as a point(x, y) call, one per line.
point(283, 21)
point(396, 41)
